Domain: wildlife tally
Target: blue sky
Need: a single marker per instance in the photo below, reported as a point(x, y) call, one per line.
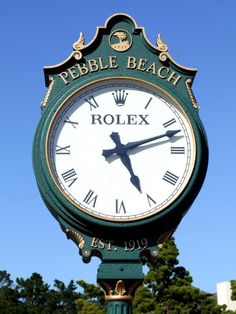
point(199, 34)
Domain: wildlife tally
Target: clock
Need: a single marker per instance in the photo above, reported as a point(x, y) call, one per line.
point(120, 150)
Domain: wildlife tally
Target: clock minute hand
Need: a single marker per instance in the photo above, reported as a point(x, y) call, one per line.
point(132, 145)
point(121, 148)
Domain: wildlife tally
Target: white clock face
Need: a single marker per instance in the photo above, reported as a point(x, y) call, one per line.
point(120, 151)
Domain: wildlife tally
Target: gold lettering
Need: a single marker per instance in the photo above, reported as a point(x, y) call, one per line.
point(82, 68)
point(160, 74)
point(94, 242)
point(93, 65)
point(131, 63)
point(112, 62)
point(73, 73)
point(64, 76)
point(102, 67)
point(141, 64)
point(101, 244)
point(174, 78)
point(152, 68)
point(109, 246)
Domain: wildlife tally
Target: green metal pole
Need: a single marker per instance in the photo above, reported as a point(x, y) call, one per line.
point(119, 281)
point(119, 307)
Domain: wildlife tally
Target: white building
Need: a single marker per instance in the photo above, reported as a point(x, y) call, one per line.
point(224, 295)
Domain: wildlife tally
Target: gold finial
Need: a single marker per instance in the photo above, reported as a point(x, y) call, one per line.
point(160, 44)
point(79, 44)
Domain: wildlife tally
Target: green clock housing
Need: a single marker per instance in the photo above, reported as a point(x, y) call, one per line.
point(120, 149)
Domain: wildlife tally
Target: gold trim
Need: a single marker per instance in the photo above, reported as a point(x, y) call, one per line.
point(45, 100)
point(162, 93)
point(160, 44)
point(164, 236)
point(120, 288)
point(163, 56)
point(79, 44)
point(188, 84)
point(155, 253)
point(86, 253)
point(123, 291)
point(77, 237)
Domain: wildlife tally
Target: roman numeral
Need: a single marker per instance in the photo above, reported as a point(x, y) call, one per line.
point(73, 123)
point(91, 198)
point(63, 150)
point(177, 150)
point(150, 200)
point(168, 123)
point(148, 103)
point(92, 102)
point(120, 207)
point(170, 178)
point(70, 177)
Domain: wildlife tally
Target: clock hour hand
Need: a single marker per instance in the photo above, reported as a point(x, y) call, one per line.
point(119, 149)
point(122, 153)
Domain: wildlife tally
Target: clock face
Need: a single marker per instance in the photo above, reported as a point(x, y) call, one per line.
point(120, 150)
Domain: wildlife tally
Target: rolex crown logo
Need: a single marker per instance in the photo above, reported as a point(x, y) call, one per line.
point(120, 97)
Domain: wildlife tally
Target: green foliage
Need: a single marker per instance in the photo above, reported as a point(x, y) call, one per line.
point(168, 288)
point(9, 302)
point(33, 296)
point(91, 292)
point(32, 292)
point(92, 299)
point(65, 296)
point(87, 307)
point(233, 287)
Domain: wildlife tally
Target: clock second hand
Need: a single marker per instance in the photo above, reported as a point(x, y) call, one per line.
point(122, 153)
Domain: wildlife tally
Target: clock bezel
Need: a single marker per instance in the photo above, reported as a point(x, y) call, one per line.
point(73, 208)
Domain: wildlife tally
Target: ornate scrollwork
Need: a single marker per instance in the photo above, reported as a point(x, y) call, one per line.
point(77, 237)
point(163, 48)
point(79, 44)
point(120, 289)
point(160, 44)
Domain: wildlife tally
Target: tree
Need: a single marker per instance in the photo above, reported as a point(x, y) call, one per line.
point(168, 288)
point(33, 293)
point(91, 301)
point(233, 287)
point(9, 302)
point(64, 297)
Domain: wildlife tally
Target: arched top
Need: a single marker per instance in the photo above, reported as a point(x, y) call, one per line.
point(120, 34)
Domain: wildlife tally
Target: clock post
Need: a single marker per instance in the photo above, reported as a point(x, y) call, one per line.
point(120, 152)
